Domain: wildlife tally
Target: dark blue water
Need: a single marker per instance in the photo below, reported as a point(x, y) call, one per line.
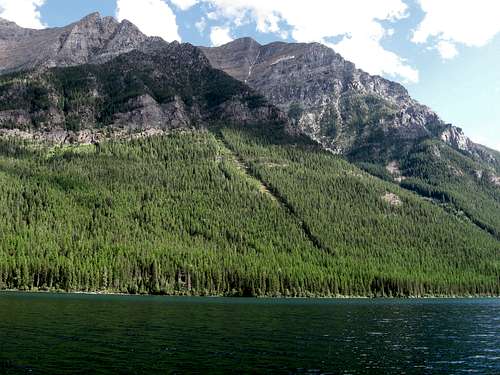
point(78, 334)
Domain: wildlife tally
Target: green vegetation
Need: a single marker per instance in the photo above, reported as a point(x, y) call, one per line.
point(407, 246)
point(437, 171)
point(234, 212)
point(90, 96)
point(360, 111)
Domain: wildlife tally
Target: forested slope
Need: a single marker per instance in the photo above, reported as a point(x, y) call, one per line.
point(439, 172)
point(371, 121)
point(240, 211)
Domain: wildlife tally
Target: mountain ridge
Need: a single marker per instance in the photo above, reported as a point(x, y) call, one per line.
point(273, 70)
point(118, 78)
point(93, 39)
point(150, 170)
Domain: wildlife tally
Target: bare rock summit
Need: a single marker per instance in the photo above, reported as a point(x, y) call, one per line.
point(93, 39)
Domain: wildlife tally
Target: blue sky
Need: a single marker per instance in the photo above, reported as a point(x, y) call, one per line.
point(446, 52)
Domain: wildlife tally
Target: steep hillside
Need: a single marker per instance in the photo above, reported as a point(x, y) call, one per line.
point(371, 121)
point(343, 108)
point(241, 212)
point(437, 171)
point(163, 86)
point(128, 164)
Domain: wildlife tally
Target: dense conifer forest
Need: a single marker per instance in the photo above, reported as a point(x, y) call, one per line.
point(439, 172)
point(231, 211)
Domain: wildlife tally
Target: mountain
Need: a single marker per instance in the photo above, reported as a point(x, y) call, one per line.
point(129, 164)
point(236, 211)
point(97, 73)
point(93, 39)
point(325, 97)
point(372, 121)
point(343, 108)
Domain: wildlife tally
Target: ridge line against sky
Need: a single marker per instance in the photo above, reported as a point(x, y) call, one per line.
point(446, 52)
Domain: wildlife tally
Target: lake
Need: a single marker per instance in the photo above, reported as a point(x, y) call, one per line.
point(82, 334)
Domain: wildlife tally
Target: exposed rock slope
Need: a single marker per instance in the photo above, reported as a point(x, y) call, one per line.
point(344, 108)
point(140, 83)
point(90, 40)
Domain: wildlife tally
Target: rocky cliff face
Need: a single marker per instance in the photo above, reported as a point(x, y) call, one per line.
point(155, 86)
point(93, 39)
point(345, 109)
point(318, 92)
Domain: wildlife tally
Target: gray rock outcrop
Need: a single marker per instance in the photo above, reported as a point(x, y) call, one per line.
point(327, 98)
point(93, 39)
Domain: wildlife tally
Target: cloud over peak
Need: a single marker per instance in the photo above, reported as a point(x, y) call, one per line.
point(356, 22)
point(184, 4)
point(153, 17)
point(220, 36)
point(26, 13)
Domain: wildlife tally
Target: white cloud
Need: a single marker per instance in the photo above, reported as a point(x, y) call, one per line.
point(374, 58)
point(201, 25)
point(152, 17)
point(446, 49)
point(450, 22)
point(184, 4)
point(321, 20)
point(212, 16)
point(25, 13)
point(220, 36)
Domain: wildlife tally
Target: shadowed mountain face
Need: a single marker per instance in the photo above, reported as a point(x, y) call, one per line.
point(98, 72)
point(343, 108)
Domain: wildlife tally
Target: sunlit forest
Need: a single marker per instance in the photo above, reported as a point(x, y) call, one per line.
point(231, 211)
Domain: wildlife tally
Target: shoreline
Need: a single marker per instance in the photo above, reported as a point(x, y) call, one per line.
point(181, 295)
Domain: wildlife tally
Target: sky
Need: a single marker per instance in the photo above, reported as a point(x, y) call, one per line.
point(445, 52)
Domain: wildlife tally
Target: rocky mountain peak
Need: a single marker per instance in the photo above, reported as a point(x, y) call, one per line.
point(92, 17)
point(456, 137)
point(330, 100)
point(10, 30)
point(93, 39)
point(326, 97)
point(236, 58)
point(132, 82)
point(247, 44)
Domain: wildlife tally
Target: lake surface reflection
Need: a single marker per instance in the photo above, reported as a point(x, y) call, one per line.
point(83, 334)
